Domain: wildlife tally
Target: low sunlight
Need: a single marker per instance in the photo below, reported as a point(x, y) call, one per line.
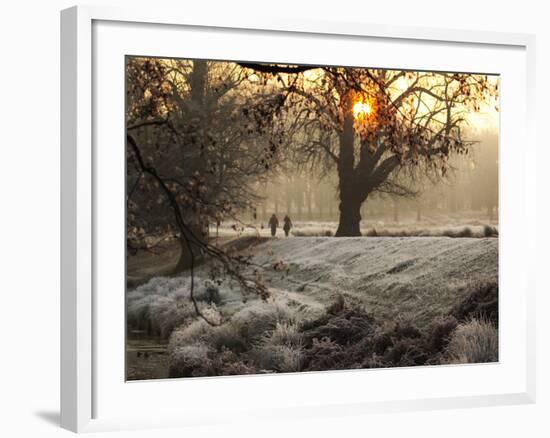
point(361, 110)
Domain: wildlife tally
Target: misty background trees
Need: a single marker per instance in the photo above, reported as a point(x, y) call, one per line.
point(470, 187)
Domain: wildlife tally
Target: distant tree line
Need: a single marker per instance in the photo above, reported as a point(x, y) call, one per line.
point(471, 186)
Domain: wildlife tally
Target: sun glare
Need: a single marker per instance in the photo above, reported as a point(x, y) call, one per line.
point(361, 110)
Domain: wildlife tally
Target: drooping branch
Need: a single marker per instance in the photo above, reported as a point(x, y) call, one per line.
point(184, 229)
point(191, 239)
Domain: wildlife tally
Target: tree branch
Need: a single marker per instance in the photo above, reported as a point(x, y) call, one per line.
point(277, 68)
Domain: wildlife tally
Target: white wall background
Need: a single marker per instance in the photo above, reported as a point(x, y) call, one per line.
point(29, 216)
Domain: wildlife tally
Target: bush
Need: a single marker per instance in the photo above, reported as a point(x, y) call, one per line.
point(312, 232)
point(400, 344)
point(278, 358)
point(190, 361)
point(199, 331)
point(464, 232)
point(199, 360)
point(473, 342)
point(285, 334)
point(354, 339)
point(440, 332)
point(227, 363)
point(405, 352)
point(325, 354)
point(227, 337)
point(347, 327)
point(280, 350)
point(167, 314)
point(254, 321)
point(481, 303)
point(163, 304)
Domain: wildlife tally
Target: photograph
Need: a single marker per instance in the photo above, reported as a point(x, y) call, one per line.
point(290, 218)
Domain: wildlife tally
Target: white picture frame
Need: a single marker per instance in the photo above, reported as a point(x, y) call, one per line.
point(87, 402)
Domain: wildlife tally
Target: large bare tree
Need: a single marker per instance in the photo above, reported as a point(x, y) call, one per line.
point(375, 126)
point(199, 137)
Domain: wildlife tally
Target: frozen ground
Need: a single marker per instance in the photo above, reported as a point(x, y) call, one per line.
point(435, 227)
point(144, 266)
point(395, 280)
point(416, 277)
point(419, 277)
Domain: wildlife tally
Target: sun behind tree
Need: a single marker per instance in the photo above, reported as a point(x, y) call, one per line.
point(362, 110)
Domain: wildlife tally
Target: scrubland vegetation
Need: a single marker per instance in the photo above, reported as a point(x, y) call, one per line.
point(315, 324)
point(268, 337)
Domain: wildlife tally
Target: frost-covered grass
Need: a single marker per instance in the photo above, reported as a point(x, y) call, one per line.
point(263, 335)
point(475, 341)
point(464, 225)
point(163, 303)
point(419, 277)
point(460, 231)
point(336, 303)
point(281, 349)
point(404, 231)
point(346, 338)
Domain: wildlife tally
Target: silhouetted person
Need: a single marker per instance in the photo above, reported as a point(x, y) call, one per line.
point(273, 224)
point(288, 225)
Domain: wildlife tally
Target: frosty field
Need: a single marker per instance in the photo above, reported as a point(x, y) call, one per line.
point(385, 283)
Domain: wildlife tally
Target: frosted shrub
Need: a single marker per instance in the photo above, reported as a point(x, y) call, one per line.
point(167, 314)
point(285, 334)
point(190, 360)
point(163, 304)
point(281, 350)
point(157, 305)
point(259, 318)
point(477, 231)
point(138, 313)
point(473, 342)
point(490, 231)
point(227, 336)
point(279, 358)
point(313, 232)
point(198, 331)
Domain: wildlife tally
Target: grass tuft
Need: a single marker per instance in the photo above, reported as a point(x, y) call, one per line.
point(475, 341)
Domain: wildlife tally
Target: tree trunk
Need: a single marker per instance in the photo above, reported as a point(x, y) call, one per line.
point(350, 199)
point(309, 201)
point(197, 81)
point(350, 217)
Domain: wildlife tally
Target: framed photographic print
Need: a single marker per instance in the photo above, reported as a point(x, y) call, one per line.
point(267, 218)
